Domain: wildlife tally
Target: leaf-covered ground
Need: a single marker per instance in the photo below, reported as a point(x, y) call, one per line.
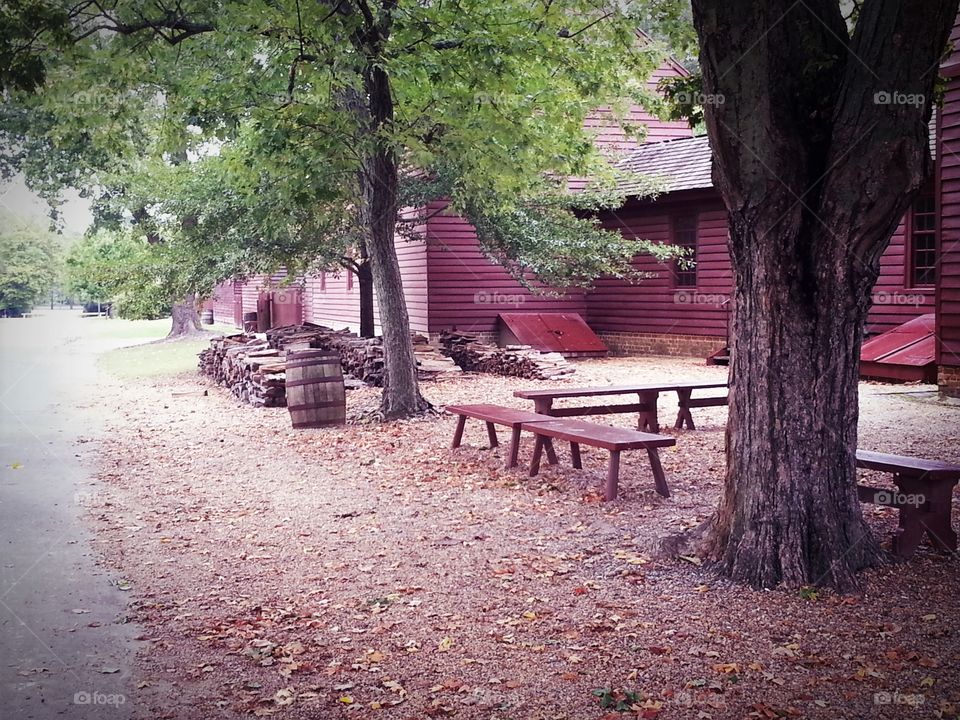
point(371, 572)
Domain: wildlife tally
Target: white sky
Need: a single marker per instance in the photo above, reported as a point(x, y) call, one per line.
point(18, 200)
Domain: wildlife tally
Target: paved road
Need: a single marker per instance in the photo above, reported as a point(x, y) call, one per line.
point(65, 648)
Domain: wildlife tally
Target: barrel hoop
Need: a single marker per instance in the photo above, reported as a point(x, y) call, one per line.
point(317, 424)
point(314, 381)
point(310, 362)
point(317, 405)
point(310, 353)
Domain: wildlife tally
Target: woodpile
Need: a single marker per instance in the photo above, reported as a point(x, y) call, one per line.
point(253, 367)
point(470, 353)
point(248, 367)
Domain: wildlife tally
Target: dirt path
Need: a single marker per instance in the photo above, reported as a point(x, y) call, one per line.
point(66, 646)
point(371, 572)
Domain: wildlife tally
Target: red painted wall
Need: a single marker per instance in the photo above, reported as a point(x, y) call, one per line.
point(657, 305)
point(948, 152)
point(468, 291)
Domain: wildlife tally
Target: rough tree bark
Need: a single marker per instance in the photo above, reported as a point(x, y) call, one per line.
point(365, 284)
point(379, 181)
point(184, 318)
point(815, 171)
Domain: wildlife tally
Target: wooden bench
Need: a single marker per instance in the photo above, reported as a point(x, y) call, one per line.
point(494, 415)
point(613, 439)
point(924, 498)
point(646, 406)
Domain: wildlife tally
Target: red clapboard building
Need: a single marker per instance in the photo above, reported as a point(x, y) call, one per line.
point(449, 283)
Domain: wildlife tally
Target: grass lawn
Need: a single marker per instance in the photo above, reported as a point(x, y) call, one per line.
point(153, 359)
point(149, 358)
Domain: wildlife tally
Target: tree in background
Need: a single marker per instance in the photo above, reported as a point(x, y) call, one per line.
point(30, 267)
point(336, 101)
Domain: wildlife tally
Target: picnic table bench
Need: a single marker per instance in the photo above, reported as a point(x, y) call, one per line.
point(577, 432)
point(646, 407)
point(613, 439)
point(924, 498)
point(494, 415)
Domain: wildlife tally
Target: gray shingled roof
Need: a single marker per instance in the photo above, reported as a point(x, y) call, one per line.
point(682, 164)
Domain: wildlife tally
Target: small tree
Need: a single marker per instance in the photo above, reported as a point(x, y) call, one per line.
point(30, 267)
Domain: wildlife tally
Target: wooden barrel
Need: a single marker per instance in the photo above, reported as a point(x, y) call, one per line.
point(206, 317)
point(250, 322)
point(315, 393)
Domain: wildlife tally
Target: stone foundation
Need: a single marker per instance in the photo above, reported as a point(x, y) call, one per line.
point(626, 343)
point(948, 378)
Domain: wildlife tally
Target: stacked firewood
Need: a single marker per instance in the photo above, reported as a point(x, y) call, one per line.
point(470, 353)
point(248, 367)
point(253, 367)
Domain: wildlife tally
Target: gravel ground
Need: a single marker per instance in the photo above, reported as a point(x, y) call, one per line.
point(370, 571)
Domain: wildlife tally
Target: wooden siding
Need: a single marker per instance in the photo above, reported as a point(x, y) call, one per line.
point(468, 291)
point(948, 191)
point(658, 305)
point(335, 301)
point(221, 302)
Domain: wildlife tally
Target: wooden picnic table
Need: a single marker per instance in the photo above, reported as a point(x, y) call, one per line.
point(646, 407)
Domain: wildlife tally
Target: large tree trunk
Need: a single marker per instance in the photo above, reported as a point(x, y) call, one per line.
point(815, 174)
point(379, 181)
point(184, 318)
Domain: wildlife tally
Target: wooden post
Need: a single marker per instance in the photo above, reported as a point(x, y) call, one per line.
point(458, 434)
point(514, 447)
point(613, 476)
point(492, 435)
point(575, 455)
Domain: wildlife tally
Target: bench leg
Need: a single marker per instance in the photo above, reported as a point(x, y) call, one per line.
point(492, 435)
point(543, 405)
point(647, 421)
point(659, 479)
point(551, 453)
point(931, 519)
point(575, 455)
point(458, 434)
point(613, 476)
point(537, 452)
point(683, 416)
point(514, 448)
